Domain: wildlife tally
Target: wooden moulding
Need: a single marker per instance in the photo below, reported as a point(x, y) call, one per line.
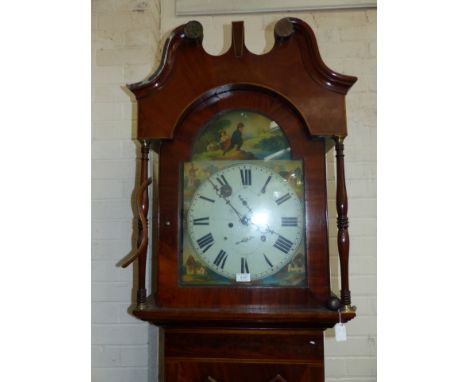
point(188, 74)
point(243, 317)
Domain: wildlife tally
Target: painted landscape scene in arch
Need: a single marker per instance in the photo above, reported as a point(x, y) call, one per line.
point(241, 135)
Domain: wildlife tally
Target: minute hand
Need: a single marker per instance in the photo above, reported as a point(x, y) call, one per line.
point(263, 190)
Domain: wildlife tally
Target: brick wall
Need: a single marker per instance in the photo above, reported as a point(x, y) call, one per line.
point(127, 35)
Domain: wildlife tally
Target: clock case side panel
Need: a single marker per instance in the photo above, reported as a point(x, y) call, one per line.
point(311, 150)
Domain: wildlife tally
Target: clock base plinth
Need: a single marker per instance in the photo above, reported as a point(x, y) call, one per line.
point(248, 344)
point(247, 355)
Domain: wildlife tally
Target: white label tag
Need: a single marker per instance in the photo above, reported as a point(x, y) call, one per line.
point(340, 332)
point(243, 277)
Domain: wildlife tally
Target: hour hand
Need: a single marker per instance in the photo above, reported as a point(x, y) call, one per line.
point(245, 203)
point(224, 190)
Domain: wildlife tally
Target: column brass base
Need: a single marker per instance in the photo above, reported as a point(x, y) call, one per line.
point(348, 309)
point(141, 306)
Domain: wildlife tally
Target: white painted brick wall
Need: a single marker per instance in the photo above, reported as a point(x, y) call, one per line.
point(126, 37)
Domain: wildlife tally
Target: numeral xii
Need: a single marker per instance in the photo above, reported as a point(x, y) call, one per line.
point(246, 176)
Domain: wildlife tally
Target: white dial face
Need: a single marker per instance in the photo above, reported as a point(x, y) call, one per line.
point(245, 219)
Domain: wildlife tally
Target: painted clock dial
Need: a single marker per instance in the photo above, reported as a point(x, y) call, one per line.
point(245, 222)
point(243, 206)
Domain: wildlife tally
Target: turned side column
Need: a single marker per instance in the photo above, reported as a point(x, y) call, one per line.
point(342, 223)
point(143, 203)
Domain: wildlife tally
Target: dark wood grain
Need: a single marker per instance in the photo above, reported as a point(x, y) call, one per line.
point(243, 355)
point(238, 38)
point(225, 371)
point(243, 316)
point(293, 68)
point(245, 344)
point(342, 222)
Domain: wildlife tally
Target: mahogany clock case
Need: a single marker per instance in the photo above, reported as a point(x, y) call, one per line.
point(290, 85)
point(249, 333)
point(175, 152)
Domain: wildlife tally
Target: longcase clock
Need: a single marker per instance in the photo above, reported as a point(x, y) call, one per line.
point(240, 223)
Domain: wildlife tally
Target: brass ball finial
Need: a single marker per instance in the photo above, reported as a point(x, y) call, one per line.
point(334, 303)
point(193, 30)
point(284, 28)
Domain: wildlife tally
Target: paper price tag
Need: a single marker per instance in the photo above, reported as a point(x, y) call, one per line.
point(340, 332)
point(243, 277)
